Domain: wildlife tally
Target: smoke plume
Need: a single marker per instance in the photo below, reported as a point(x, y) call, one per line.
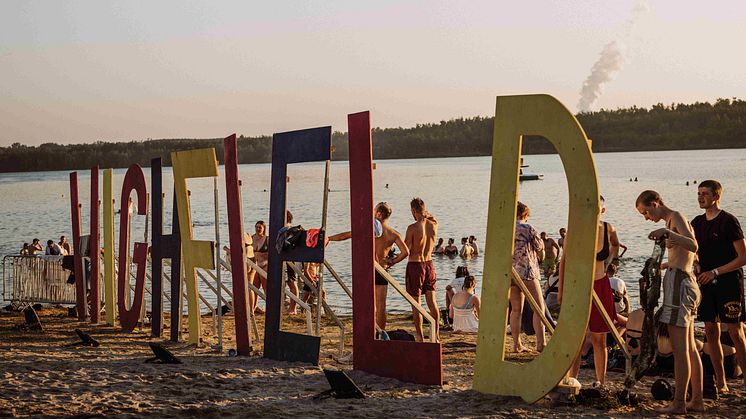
point(609, 63)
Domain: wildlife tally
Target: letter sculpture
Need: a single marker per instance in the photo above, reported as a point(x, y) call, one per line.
point(543, 115)
point(94, 248)
point(302, 146)
point(165, 246)
point(406, 361)
point(109, 289)
point(195, 253)
point(134, 179)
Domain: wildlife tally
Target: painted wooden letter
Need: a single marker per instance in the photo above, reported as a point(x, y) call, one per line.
point(165, 246)
point(195, 253)
point(94, 249)
point(238, 252)
point(134, 179)
point(109, 289)
point(406, 361)
point(543, 115)
point(302, 146)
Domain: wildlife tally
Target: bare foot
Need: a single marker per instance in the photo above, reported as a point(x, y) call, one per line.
point(519, 349)
point(696, 406)
point(676, 407)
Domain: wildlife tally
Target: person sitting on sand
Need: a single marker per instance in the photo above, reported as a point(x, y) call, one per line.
point(466, 251)
point(465, 308)
point(451, 249)
point(455, 286)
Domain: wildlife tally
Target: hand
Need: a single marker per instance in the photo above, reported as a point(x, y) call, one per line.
point(696, 268)
point(661, 233)
point(706, 277)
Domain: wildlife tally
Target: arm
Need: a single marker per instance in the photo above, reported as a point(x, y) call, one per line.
point(408, 239)
point(614, 242)
point(403, 248)
point(561, 282)
point(624, 249)
point(684, 239)
point(340, 236)
point(477, 306)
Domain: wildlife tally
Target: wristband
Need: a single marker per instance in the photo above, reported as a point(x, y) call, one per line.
point(715, 272)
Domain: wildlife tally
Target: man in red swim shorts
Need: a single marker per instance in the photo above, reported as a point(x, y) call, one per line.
point(420, 276)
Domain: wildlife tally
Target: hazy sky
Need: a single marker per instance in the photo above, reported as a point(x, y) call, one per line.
point(82, 71)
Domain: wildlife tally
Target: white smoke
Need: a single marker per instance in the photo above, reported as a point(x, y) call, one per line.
point(609, 63)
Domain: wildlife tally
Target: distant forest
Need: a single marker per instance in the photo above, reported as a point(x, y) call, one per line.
point(674, 127)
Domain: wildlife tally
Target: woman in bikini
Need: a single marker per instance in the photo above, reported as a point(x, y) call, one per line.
point(261, 251)
point(606, 244)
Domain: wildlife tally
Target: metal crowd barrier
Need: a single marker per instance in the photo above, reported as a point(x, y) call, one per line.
point(36, 279)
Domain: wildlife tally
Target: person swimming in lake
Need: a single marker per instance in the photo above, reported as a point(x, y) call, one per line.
point(451, 249)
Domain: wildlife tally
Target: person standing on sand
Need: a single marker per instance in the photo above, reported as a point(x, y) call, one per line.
point(383, 245)
point(606, 243)
point(681, 296)
point(527, 251)
point(420, 274)
point(721, 256)
point(551, 254)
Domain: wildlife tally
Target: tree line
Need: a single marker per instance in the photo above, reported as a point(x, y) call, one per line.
point(662, 127)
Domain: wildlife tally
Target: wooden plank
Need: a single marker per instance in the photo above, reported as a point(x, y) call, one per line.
point(418, 362)
point(518, 281)
point(134, 180)
point(238, 251)
point(543, 115)
point(307, 145)
point(195, 253)
point(94, 246)
point(109, 287)
point(80, 291)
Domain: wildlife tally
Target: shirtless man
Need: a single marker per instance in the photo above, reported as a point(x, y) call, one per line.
point(420, 240)
point(680, 298)
point(551, 254)
point(383, 244)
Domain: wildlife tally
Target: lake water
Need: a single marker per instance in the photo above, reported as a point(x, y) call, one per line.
point(454, 189)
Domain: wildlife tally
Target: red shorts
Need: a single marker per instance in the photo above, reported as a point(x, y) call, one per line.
point(596, 324)
point(420, 277)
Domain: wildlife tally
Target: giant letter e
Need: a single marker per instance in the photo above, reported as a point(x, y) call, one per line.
point(543, 115)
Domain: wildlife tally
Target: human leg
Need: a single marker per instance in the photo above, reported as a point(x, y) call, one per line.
point(735, 330)
point(712, 331)
point(534, 288)
point(381, 291)
point(516, 311)
point(697, 403)
point(432, 304)
point(682, 369)
point(600, 356)
point(417, 319)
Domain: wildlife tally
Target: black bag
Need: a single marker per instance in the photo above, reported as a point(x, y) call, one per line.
point(400, 334)
point(289, 238)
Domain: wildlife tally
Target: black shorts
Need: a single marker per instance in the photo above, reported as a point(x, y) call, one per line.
point(722, 302)
point(292, 277)
point(380, 280)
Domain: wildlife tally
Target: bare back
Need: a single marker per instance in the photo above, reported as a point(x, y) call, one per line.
point(420, 239)
point(384, 243)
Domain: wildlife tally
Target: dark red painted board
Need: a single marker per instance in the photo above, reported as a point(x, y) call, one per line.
point(406, 361)
point(238, 252)
point(80, 291)
point(94, 246)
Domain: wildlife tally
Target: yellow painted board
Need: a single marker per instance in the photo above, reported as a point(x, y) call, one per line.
point(543, 115)
point(195, 253)
point(110, 305)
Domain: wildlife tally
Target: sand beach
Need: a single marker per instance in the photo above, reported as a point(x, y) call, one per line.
point(43, 375)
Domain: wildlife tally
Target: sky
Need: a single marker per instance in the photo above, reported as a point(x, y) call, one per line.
point(85, 71)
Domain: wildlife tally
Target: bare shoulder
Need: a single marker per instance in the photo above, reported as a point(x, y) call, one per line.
point(679, 221)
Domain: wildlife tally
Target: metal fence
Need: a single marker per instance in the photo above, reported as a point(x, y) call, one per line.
point(36, 279)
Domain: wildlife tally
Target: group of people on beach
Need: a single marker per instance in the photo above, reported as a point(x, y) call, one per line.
point(62, 248)
point(703, 279)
